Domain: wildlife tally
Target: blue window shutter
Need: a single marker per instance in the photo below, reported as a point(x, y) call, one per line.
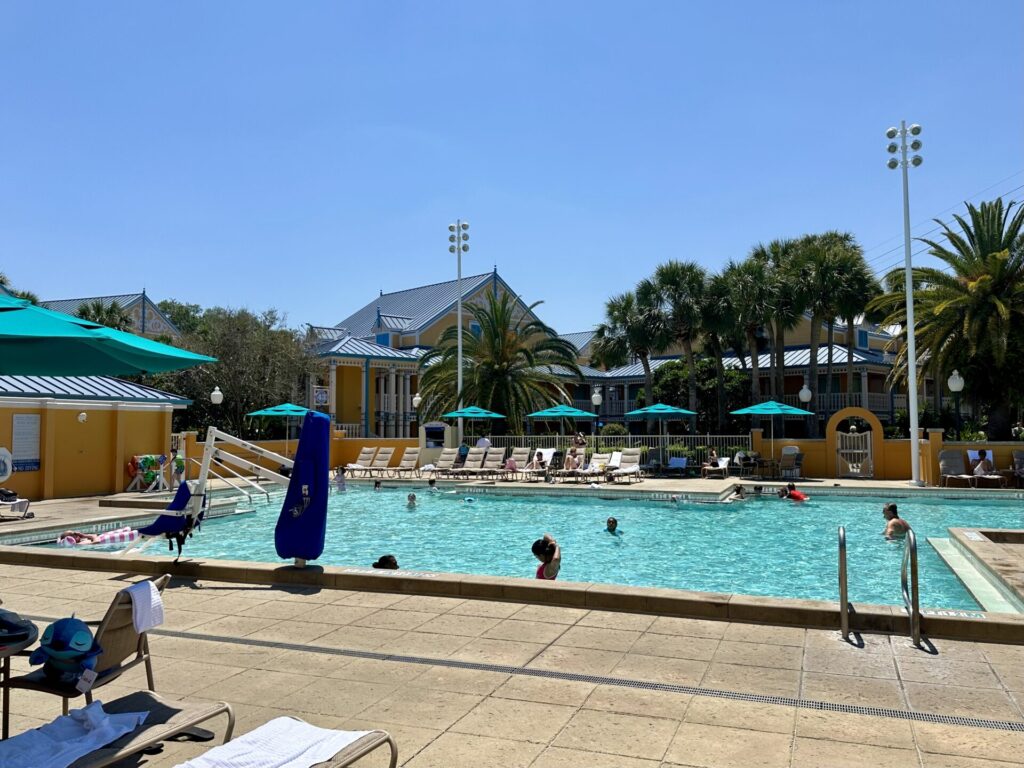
point(384, 339)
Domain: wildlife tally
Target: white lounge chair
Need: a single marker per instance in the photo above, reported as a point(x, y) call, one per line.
point(520, 457)
point(629, 467)
point(474, 460)
point(379, 467)
point(546, 455)
point(362, 462)
point(491, 466)
point(719, 468)
point(445, 462)
point(595, 469)
point(408, 464)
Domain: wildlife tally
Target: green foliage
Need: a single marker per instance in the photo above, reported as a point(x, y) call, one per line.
point(671, 387)
point(187, 318)
point(614, 430)
point(18, 294)
point(112, 315)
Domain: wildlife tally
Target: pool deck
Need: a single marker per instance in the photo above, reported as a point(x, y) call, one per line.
point(494, 683)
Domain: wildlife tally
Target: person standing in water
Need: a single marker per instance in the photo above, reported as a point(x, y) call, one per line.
point(895, 526)
point(612, 527)
point(550, 555)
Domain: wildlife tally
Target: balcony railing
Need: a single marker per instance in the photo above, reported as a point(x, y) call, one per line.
point(609, 408)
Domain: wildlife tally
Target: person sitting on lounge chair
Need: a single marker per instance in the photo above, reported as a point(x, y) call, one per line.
point(712, 459)
point(984, 464)
point(537, 462)
point(572, 461)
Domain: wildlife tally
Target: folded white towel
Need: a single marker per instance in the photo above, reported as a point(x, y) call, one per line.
point(69, 737)
point(284, 742)
point(147, 605)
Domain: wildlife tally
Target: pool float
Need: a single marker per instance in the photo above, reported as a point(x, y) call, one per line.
point(120, 536)
point(66, 650)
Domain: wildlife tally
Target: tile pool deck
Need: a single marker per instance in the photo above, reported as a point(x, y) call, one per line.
point(471, 687)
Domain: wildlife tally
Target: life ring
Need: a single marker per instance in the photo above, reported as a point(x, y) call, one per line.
point(133, 467)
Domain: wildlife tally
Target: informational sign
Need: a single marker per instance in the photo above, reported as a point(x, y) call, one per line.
point(25, 442)
point(321, 396)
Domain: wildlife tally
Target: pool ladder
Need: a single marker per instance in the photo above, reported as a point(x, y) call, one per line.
point(910, 588)
point(844, 598)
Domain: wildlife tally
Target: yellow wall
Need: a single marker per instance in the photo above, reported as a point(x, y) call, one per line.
point(90, 458)
point(349, 384)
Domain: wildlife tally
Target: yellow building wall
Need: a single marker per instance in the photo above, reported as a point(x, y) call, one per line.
point(85, 458)
point(349, 382)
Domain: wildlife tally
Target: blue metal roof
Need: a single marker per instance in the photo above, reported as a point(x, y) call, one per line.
point(105, 388)
point(800, 357)
point(124, 300)
point(350, 346)
point(417, 306)
point(579, 339)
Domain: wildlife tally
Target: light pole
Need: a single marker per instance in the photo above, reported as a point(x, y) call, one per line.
point(805, 396)
point(458, 238)
point(595, 400)
point(955, 382)
point(905, 163)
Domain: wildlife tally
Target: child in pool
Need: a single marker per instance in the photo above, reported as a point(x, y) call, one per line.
point(550, 555)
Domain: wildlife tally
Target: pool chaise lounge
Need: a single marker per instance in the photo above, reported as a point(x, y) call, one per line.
point(491, 466)
point(474, 460)
point(408, 464)
point(520, 458)
point(380, 465)
point(629, 467)
point(363, 461)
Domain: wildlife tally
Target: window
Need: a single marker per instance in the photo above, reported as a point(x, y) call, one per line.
point(862, 339)
point(474, 328)
point(384, 339)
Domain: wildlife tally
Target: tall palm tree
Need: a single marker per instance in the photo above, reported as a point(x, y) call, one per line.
point(970, 315)
point(719, 325)
point(112, 315)
point(857, 287)
point(514, 366)
point(682, 286)
point(751, 297)
point(634, 328)
point(789, 299)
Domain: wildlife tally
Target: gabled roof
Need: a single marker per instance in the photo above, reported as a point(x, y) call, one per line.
point(393, 322)
point(124, 300)
point(800, 357)
point(350, 346)
point(417, 307)
point(328, 332)
point(579, 339)
point(105, 388)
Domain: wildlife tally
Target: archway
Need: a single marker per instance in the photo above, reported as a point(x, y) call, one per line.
point(876, 444)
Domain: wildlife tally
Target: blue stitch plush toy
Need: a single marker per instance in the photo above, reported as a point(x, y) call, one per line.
point(66, 650)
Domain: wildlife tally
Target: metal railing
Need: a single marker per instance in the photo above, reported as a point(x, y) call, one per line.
point(694, 447)
point(215, 471)
point(351, 429)
point(844, 598)
point(909, 586)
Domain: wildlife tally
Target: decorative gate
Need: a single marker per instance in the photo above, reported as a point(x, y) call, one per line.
point(853, 454)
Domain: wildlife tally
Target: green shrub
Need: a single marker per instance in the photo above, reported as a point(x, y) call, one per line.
point(614, 430)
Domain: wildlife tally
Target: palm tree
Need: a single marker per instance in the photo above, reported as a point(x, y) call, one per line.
point(719, 325)
point(751, 297)
point(634, 328)
point(857, 287)
point(5, 283)
point(970, 315)
point(789, 300)
point(682, 286)
point(112, 315)
point(513, 366)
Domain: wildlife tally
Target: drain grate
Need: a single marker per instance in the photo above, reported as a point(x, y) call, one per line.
point(647, 685)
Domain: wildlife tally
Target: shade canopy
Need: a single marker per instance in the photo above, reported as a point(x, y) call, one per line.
point(660, 411)
point(284, 409)
point(562, 412)
point(472, 412)
point(41, 342)
point(771, 408)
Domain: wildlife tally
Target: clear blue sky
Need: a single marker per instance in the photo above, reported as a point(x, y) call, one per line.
point(306, 155)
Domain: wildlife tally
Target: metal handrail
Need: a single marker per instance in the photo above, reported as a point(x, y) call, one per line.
point(844, 600)
point(911, 591)
point(213, 471)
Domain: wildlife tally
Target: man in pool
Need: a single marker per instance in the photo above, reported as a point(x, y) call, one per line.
point(895, 526)
point(612, 527)
point(376, 485)
point(432, 486)
point(410, 501)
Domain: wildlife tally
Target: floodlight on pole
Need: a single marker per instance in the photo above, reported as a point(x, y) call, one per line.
point(905, 163)
point(458, 239)
point(955, 382)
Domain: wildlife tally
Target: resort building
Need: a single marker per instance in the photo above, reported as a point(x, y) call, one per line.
point(147, 319)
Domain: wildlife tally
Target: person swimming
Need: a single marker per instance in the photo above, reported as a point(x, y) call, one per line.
point(410, 501)
point(612, 527)
point(550, 555)
point(895, 526)
point(739, 494)
point(790, 492)
point(432, 486)
point(339, 480)
point(376, 485)
point(386, 562)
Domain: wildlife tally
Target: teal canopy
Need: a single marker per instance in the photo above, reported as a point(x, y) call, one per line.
point(562, 412)
point(41, 342)
point(771, 408)
point(284, 409)
point(472, 412)
point(660, 411)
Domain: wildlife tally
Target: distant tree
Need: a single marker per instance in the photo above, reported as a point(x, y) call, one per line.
point(5, 283)
point(682, 288)
point(187, 318)
point(112, 315)
point(671, 386)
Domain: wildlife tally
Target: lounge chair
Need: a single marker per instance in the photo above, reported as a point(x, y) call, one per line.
point(791, 463)
point(474, 460)
point(547, 454)
point(16, 508)
point(380, 467)
point(993, 480)
point(952, 472)
point(563, 473)
point(492, 464)
point(116, 635)
point(629, 467)
point(362, 462)
point(595, 469)
point(720, 468)
point(1017, 467)
point(408, 464)
point(445, 462)
point(520, 457)
point(677, 465)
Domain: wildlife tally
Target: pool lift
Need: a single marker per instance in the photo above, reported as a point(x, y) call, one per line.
point(186, 511)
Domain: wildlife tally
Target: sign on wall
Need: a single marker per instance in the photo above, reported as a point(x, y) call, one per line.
point(321, 397)
point(25, 442)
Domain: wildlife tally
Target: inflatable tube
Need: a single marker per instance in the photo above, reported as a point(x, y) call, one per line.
point(120, 536)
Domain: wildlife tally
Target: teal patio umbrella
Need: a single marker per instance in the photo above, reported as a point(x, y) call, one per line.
point(472, 412)
point(771, 408)
point(561, 412)
point(286, 411)
point(662, 413)
point(41, 342)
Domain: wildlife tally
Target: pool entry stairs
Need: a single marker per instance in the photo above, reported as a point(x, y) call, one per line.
point(984, 586)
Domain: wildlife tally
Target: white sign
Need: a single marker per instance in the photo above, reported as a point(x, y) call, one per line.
point(6, 466)
point(25, 442)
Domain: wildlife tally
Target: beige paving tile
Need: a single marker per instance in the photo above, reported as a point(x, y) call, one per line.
point(1011, 678)
point(390, 619)
point(263, 686)
point(426, 644)
point(598, 637)
point(229, 626)
point(307, 595)
point(428, 603)
point(377, 671)
point(337, 614)
point(672, 625)
point(292, 631)
point(474, 681)
point(559, 757)
point(849, 689)
point(676, 646)
point(629, 735)
point(422, 707)
point(527, 631)
point(186, 621)
point(276, 609)
point(765, 633)
point(773, 718)
point(710, 746)
point(855, 729)
point(764, 681)
point(329, 697)
point(359, 638)
point(970, 742)
point(850, 662)
point(636, 701)
point(458, 624)
point(832, 640)
point(410, 740)
point(952, 761)
point(186, 676)
point(564, 658)
point(970, 674)
point(661, 669)
point(545, 690)
point(458, 749)
point(635, 622)
point(818, 753)
point(234, 605)
point(370, 599)
point(487, 651)
point(968, 702)
point(491, 608)
point(550, 613)
point(515, 719)
point(759, 654)
point(306, 663)
point(946, 650)
point(1008, 655)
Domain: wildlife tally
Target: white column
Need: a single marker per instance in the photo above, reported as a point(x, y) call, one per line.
point(332, 398)
point(392, 402)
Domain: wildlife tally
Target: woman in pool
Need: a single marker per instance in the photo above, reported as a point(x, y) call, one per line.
point(790, 492)
point(612, 527)
point(550, 555)
point(410, 501)
point(387, 563)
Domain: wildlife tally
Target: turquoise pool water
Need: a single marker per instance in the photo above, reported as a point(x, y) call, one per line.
point(758, 547)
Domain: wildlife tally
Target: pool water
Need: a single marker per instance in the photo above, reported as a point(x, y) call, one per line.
point(763, 546)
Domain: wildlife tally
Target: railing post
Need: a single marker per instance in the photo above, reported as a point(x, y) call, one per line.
point(844, 601)
point(911, 591)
